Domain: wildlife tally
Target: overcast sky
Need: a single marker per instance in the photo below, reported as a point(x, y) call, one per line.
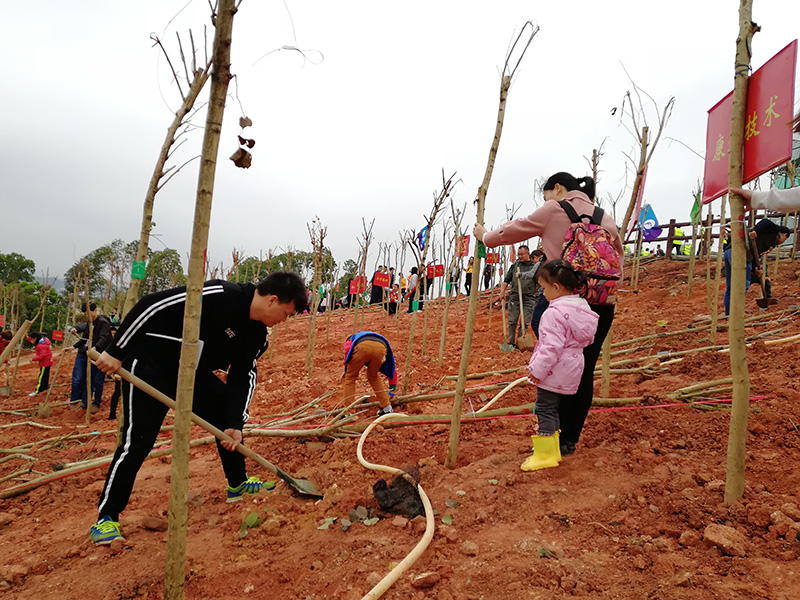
point(404, 91)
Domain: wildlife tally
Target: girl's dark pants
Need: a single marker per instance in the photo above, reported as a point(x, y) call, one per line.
point(572, 410)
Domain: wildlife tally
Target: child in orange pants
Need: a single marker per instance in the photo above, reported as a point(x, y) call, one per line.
point(371, 350)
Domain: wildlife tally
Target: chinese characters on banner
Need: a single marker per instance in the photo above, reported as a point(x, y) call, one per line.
point(439, 271)
point(382, 280)
point(358, 285)
point(492, 258)
point(464, 246)
point(58, 335)
point(767, 135)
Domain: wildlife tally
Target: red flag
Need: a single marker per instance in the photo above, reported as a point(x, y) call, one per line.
point(767, 135)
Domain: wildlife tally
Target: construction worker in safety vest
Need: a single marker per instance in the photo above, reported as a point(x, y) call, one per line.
point(676, 243)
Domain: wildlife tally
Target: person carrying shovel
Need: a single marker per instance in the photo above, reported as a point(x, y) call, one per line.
point(524, 270)
point(765, 236)
point(233, 335)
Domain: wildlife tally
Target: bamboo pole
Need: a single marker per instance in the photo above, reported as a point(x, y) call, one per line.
point(455, 424)
point(734, 480)
point(179, 478)
point(692, 261)
point(605, 381)
point(89, 329)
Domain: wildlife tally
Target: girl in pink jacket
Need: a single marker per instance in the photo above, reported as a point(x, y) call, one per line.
point(567, 327)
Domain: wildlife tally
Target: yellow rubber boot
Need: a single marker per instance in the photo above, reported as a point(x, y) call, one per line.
point(558, 443)
point(546, 453)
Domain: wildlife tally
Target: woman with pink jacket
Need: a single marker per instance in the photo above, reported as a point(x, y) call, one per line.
point(568, 326)
point(551, 222)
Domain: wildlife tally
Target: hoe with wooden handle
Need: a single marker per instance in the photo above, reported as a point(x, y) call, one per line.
point(300, 485)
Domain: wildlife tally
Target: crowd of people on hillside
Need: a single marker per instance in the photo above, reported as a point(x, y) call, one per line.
point(564, 291)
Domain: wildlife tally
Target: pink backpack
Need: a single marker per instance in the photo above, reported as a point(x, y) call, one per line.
point(588, 247)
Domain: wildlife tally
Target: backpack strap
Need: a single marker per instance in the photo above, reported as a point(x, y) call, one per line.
point(596, 218)
point(573, 216)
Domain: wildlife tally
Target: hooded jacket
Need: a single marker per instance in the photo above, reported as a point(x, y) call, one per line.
point(44, 353)
point(567, 327)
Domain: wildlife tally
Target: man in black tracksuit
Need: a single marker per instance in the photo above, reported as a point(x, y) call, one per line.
point(233, 335)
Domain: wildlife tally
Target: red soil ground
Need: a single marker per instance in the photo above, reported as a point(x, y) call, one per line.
point(623, 517)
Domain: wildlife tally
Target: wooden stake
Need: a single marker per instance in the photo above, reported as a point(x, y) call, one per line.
point(691, 262)
point(734, 481)
point(179, 478)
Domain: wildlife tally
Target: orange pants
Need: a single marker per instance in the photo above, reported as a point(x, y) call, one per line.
point(369, 353)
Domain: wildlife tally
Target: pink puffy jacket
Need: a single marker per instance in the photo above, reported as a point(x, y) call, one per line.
point(567, 327)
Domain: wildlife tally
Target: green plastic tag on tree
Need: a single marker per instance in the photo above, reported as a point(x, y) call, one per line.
point(447, 286)
point(138, 269)
point(481, 250)
point(415, 305)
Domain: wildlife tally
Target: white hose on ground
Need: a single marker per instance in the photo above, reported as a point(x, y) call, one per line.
point(395, 574)
point(510, 386)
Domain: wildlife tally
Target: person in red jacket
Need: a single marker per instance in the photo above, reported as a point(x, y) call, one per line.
point(43, 356)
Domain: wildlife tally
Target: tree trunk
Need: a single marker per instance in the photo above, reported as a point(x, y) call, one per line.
point(200, 78)
point(637, 184)
point(179, 479)
point(734, 481)
point(461, 384)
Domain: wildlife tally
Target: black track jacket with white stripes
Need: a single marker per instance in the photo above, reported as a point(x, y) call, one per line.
point(151, 333)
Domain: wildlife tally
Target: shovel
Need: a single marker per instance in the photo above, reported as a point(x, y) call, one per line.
point(525, 339)
point(300, 485)
point(765, 299)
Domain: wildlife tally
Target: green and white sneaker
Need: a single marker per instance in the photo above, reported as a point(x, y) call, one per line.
point(252, 485)
point(105, 531)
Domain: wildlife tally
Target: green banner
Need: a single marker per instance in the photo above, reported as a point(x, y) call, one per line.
point(481, 250)
point(697, 210)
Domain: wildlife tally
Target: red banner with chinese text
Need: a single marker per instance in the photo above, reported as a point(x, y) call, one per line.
point(464, 251)
point(358, 285)
point(2, 321)
point(767, 134)
point(382, 280)
point(58, 335)
point(438, 271)
point(492, 258)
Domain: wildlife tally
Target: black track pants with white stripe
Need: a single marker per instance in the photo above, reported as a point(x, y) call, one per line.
point(143, 419)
